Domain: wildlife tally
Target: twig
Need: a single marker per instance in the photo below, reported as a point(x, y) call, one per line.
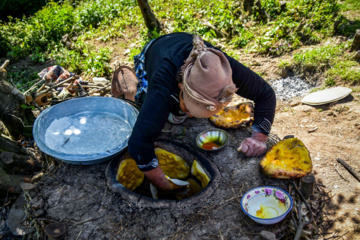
point(340, 174)
point(337, 236)
point(301, 224)
point(307, 205)
point(6, 63)
point(37, 106)
point(82, 89)
point(79, 234)
point(59, 84)
point(87, 220)
point(348, 168)
point(33, 86)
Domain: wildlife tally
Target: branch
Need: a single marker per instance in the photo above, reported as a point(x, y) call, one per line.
point(348, 168)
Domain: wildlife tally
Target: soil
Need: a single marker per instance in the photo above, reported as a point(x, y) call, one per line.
point(79, 196)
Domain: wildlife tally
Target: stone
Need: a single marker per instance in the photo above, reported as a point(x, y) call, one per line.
point(266, 235)
point(304, 108)
point(29, 188)
point(37, 203)
point(39, 213)
point(16, 217)
point(356, 42)
point(294, 102)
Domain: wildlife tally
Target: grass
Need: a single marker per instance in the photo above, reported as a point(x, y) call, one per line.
point(348, 5)
point(303, 22)
point(330, 59)
point(348, 71)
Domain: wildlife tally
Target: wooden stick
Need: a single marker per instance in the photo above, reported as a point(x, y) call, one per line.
point(59, 84)
point(34, 86)
point(6, 63)
point(307, 185)
point(349, 168)
point(340, 174)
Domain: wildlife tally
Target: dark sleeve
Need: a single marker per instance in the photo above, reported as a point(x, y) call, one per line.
point(253, 87)
point(151, 120)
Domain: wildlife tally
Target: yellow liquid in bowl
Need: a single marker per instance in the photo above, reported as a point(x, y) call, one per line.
point(266, 212)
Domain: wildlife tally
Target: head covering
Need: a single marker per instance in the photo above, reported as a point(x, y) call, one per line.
point(207, 80)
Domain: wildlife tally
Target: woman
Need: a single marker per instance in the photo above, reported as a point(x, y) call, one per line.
point(188, 77)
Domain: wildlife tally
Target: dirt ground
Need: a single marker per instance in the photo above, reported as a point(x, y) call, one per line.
point(79, 197)
point(337, 136)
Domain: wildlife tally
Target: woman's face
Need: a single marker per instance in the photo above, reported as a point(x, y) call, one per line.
point(183, 105)
point(194, 111)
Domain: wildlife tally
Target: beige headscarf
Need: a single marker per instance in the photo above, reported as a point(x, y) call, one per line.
point(207, 80)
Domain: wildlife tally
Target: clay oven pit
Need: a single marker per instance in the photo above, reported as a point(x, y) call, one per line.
point(141, 195)
point(92, 204)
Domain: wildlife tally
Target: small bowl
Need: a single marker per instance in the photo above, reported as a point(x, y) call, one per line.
point(212, 140)
point(266, 205)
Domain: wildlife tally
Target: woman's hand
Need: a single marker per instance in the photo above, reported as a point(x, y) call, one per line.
point(159, 180)
point(157, 177)
point(255, 145)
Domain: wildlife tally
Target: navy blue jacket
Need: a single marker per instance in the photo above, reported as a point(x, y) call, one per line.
point(163, 61)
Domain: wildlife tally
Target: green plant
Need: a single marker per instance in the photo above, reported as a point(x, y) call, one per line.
point(284, 64)
point(22, 78)
point(329, 82)
point(320, 58)
point(348, 71)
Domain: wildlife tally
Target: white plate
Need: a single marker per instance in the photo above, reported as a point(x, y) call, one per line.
point(326, 96)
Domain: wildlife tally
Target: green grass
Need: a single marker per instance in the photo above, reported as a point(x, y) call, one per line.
point(320, 57)
point(304, 22)
point(348, 71)
point(350, 5)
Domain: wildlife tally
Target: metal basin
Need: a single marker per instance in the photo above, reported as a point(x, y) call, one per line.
point(85, 130)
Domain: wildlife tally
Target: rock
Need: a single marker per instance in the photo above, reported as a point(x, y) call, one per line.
point(304, 108)
point(39, 213)
point(37, 203)
point(16, 217)
point(287, 88)
point(266, 235)
point(101, 80)
point(294, 102)
point(332, 113)
point(56, 231)
point(356, 42)
point(29, 188)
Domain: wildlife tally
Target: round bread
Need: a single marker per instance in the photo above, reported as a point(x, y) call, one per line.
point(289, 158)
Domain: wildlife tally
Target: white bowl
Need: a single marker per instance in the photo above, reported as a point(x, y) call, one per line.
point(266, 205)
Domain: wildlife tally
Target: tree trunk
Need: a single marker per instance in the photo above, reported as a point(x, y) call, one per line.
point(11, 99)
point(248, 6)
point(150, 20)
point(253, 7)
point(15, 159)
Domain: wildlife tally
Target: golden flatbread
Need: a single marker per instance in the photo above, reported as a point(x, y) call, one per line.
point(289, 158)
point(129, 175)
point(172, 165)
point(232, 117)
point(199, 173)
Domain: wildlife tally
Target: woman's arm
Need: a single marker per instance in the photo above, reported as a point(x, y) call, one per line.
point(253, 87)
